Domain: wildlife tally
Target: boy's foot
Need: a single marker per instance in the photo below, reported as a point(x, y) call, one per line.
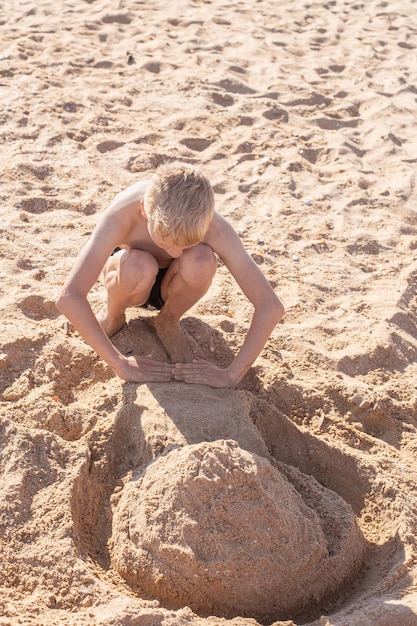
point(173, 338)
point(110, 325)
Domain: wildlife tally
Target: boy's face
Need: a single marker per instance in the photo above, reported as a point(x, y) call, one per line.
point(166, 243)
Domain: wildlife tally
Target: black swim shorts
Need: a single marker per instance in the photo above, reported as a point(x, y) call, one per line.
point(155, 298)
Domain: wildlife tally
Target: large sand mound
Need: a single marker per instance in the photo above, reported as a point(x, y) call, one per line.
point(218, 529)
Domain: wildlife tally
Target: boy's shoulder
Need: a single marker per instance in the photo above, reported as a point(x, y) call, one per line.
point(219, 227)
point(123, 221)
point(221, 235)
point(131, 195)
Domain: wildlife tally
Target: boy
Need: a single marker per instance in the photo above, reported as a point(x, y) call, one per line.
point(157, 243)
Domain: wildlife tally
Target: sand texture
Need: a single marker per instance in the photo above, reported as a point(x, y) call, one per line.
point(291, 500)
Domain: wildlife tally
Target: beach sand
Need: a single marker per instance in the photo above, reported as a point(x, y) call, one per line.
point(302, 114)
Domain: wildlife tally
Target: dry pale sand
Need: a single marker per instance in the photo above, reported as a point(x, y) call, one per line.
point(303, 115)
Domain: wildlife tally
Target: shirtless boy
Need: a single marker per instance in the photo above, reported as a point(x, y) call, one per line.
point(157, 241)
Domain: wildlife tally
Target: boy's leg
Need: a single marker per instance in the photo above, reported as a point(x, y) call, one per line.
point(186, 281)
point(128, 277)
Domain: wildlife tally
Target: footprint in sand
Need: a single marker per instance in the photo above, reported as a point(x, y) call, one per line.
point(38, 308)
point(116, 18)
point(222, 99)
point(276, 114)
point(197, 144)
point(109, 146)
point(43, 205)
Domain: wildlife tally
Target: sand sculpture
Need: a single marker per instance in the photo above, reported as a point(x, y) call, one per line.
point(202, 515)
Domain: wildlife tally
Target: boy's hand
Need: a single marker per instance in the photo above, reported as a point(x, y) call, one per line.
point(143, 369)
point(203, 373)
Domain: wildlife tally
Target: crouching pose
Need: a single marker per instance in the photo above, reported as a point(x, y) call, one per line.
point(157, 244)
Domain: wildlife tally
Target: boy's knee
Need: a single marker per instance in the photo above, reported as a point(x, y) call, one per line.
point(137, 270)
point(198, 263)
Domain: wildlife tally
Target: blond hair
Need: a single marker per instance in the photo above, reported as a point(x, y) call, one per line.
point(179, 203)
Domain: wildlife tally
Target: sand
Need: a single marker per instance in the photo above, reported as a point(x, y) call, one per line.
point(303, 116)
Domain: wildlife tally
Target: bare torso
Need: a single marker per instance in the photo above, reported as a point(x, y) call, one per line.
point(138, 237)
point(135, 233)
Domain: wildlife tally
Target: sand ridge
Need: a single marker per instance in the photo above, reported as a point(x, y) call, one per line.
point(303, 116)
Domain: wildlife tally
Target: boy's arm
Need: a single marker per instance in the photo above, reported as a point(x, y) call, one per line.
point(73, 303)
point(268, 309)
